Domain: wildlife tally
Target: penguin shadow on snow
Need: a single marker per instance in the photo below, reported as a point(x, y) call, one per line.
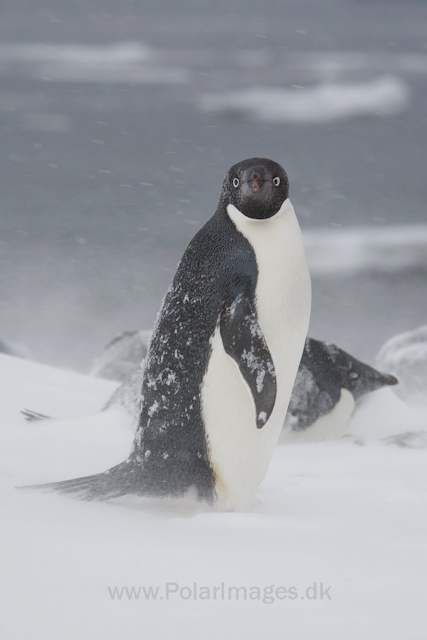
point(167, 508)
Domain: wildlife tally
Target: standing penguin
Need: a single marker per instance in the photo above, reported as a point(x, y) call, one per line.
point(224, 353)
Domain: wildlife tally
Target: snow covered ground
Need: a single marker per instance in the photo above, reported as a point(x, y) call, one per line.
point(349, 519)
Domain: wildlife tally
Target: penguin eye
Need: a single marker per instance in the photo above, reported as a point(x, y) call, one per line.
point(236, 182)
point(353, 374)
point(276, 181)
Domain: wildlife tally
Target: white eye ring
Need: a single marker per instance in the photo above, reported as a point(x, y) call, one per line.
point(276, 182)
point(236, 182)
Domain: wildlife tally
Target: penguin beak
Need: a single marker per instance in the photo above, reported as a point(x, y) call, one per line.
point(255, 180)
point(255, 184)
point(390, 380)
point(371, 380)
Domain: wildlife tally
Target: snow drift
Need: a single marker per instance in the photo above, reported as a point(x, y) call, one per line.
point(333, 518)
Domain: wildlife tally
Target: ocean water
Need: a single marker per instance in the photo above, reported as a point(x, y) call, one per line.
point(112, 156)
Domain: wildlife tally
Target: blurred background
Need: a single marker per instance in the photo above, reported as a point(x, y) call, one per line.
point(119, 119)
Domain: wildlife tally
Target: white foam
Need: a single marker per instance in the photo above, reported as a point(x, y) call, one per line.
point(325, 102)
point(336, 64)
point(392, 248)
point(122, 62)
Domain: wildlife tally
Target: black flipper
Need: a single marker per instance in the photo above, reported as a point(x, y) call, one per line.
point(244, 341)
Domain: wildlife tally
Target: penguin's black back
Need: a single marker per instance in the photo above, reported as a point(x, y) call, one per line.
point(170, 448)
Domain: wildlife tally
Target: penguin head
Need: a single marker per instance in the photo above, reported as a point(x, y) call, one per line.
point(257, 187)
point(334, 369)
point(358, 377)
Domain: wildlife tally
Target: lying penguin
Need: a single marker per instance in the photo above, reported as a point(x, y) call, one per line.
point(327, 387)
point(224, 354)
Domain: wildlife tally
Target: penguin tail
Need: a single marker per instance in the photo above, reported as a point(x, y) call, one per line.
point(103, 486)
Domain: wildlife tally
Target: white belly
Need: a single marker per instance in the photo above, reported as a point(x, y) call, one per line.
point(239, 452)
point(326, 427)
